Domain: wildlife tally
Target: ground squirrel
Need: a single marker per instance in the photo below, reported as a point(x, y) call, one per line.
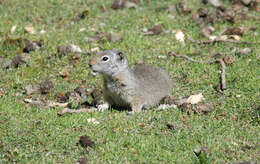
point(139, 88)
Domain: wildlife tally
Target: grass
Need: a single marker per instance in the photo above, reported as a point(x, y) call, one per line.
point(30, 134)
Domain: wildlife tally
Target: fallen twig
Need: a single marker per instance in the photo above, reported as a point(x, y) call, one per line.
point(223, 74)
point(222, 63)
point(213, 41)
point(226, 40)
point(48, 104)
point(190, 59)
point(82, 110)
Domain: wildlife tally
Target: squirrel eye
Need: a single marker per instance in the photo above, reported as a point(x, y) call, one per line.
point(105, 58)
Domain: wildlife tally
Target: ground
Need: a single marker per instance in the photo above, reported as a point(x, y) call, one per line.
point(32, 134)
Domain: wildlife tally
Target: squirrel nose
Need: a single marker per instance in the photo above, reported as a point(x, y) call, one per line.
point(90, 65)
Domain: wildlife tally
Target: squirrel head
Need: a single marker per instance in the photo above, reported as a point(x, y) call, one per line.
point(109, 62)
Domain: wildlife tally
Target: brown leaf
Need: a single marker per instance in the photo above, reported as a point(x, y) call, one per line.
point(142, 125)
point(66, 49)
point(206, 31)
point(118, 4)
point(200, 150)
point(229, 60)
point(243, 51)
point(195, 99)
point(171, 126)
point(64, 73)
point(30, 89)
point(215, 3)
point(169, 9)
point(85, 141)
point(202, 12)
point(19, 60)
point(81, 90)
point(186, 107)
point(83, 161)
point(204, 108)
point(46, 86)
point(234, 31)
point(30, 29)
point(155, 30)
point(130, 5)
point(113, 37)
point(2, 93)
point(61, 97)
point(16, 61)
point(182, 8)
point(32, 46)
point(83, 14)
point(96, 93)
point(99, 37)
point(103, 8)
point(1, 59)
point(167, 100)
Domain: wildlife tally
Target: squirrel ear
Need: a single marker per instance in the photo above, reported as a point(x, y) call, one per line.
point(121, 55)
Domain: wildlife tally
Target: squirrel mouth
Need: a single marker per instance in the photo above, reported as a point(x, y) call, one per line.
point(94, 73)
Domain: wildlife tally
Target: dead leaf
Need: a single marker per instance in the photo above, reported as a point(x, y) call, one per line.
point(179, 36)
point(16, 61)
point(155, 30)
point(162, 57)
point(171, 126)
point(234, 31)
point(95, 49)
point(207, 30)
point(202, 12)
point(19, 60)
point(98, 37)
point(130, 5)
point(75, 48)
point(166, 106)
point(13, 29)
point(82, 161)
point(169, 9)
point(229, 59)
point(93, 120)
point(142, 125)
point(113, 37)
point(30, 29)
point(42, 31)
point(30, 89)
point(204, 108)
point(66, 49)
point(83, 14)
point(186, 107)
point(1, 59)
point(103, 8)
point(32, 46)
point(64, 73)
point(46, 86)
point(200, 150)
point(2, 93)
point(167, 100)
point(85, 141)
point(118, 4)
point(181, 7)
point(243, 51)
point(195, 99)
point(215, 3)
